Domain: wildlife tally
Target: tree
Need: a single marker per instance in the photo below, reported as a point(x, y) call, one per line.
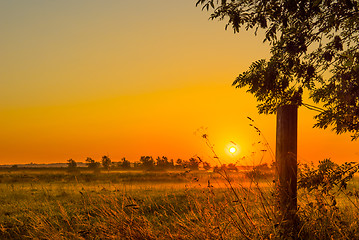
point(179, 163)
point(92, 164)
point(14, 166)
point(106, 162)
point(147, 162)
point(125, 163)
point(307, 38)
point(71, 165)
point(171, 164)
point(164, 163)
point(161, 163)
point(193, 163)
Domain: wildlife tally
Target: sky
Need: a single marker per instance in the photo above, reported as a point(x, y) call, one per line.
point(125, 78)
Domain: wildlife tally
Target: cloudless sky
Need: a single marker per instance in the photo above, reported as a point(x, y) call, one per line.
point(128, 78)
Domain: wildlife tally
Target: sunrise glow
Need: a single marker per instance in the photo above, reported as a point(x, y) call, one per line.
point(125, 80)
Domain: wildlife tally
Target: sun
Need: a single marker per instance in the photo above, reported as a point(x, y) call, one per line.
point(232, 150)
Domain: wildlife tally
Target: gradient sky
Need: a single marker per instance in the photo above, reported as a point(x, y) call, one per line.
point(125, 78)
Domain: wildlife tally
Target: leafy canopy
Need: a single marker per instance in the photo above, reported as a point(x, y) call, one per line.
point(314, 48)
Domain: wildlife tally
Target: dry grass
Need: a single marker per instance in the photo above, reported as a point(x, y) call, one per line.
point(198, 206)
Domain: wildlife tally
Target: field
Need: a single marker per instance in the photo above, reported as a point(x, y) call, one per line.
point(56, 204)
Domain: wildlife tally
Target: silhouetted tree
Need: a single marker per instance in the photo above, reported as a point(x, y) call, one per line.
point(179, 163)
point(308, 38)
point(147, 162)
point(92, 164)
point(106, 162)
point(164, 163)
point(125, 164)
point(161, 162)
point(193, 163)
point(71, 165)
point(171, 164)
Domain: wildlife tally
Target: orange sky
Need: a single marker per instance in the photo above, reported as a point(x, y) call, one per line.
point(129, 78)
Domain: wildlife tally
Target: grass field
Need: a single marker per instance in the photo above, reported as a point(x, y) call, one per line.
point(55, 204)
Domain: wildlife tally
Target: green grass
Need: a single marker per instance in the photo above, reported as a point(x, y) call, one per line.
point(162, 205)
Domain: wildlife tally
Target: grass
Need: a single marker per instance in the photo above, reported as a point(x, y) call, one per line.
point(162, 205)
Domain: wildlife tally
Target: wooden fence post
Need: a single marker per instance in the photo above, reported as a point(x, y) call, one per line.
point(286, 164)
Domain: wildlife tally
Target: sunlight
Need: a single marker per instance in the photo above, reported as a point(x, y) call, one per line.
point(232, 149)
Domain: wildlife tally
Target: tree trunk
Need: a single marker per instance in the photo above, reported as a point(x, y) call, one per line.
point(286, 165)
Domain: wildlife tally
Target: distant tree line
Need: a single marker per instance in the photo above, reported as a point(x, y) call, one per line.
point(144, 163)
point(148, 163)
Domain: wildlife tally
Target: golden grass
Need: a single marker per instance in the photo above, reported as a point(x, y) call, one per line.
point(197, 206)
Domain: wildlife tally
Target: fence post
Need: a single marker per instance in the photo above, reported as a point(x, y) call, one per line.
point(286, 165)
